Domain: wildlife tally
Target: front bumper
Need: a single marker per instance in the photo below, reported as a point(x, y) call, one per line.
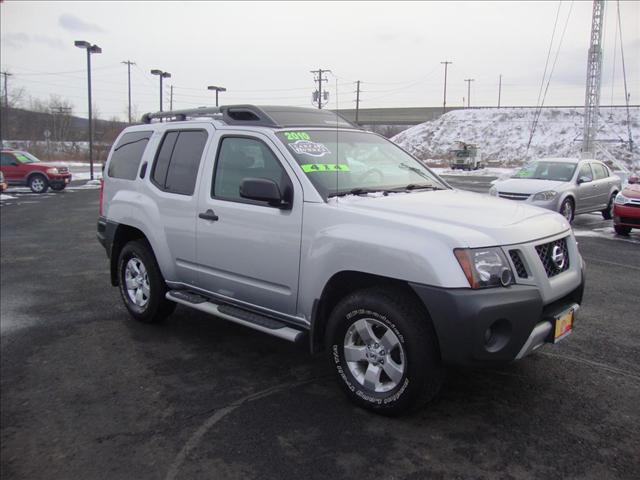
point(59, 180)
point(516, 316)
point(626, 216)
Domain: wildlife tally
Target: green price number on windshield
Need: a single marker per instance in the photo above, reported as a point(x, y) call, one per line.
point(297, 136)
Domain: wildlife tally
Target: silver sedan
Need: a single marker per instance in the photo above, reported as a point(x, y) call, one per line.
point(566, 185)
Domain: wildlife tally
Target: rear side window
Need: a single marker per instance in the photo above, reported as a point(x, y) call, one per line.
point(599, 171)
point(7, 159)
point(127, 154)
point(176, 166)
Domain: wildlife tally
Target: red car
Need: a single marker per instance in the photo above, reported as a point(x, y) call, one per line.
point(22, 168)
point(626, 207)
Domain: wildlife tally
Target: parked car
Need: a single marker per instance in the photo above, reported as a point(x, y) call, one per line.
point(626, 207)
point(255, 215)
point(566, 185)
point(3, 183)
point(23, 168)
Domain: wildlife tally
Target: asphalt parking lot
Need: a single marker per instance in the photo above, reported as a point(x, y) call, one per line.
point(88, 393)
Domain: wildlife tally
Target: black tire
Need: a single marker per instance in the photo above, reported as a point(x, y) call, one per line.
point(567, 203)
point(622, 230)
point(38, 183)
point(58, 188)
point(399, 312)
point(607, 213)
point(157, 307)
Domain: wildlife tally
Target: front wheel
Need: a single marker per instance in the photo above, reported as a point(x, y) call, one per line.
point(38, 183)
point(566, 209)
point(607, 213)
point(384, 350)
point(141, 284)
point(622, 230)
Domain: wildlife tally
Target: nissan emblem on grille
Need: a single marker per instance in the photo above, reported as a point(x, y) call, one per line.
point(557, 257)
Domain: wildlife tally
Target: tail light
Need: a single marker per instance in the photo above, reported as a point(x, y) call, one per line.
point(101, 197)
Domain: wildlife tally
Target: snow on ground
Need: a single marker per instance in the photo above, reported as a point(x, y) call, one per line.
point(502, 133)
point(6, 197)
point(86, 175)
point(607, 233)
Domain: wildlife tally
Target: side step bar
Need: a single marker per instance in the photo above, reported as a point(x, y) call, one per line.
point(258, 322)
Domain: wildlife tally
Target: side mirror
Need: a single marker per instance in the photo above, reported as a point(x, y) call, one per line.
point(634, 179)
point(582, 180)
point(263, 190)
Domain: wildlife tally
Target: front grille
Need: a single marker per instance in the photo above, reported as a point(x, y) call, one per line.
point(630, 220)
point(514, 196)
point(547, 251)
point(518, 263)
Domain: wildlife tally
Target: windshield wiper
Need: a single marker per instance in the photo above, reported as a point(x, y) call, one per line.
point(357, 191)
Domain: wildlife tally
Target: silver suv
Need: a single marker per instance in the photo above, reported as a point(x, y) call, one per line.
point(293, 222)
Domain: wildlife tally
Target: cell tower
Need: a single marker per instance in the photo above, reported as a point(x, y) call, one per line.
point(594, 74)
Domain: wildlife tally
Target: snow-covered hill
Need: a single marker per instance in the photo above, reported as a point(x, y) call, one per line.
point(502, 134)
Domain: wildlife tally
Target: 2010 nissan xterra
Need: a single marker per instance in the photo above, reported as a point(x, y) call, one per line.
point(293, 222)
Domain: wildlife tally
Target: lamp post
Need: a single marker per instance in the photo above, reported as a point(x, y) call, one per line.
point(90, 49)
point(162, 75)
point(217, 89)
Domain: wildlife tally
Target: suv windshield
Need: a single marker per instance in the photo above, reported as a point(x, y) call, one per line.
point(344, 162)
point(542, 170)
point(24, 157)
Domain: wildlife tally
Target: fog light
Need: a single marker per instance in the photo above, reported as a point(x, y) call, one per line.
point(497, 335)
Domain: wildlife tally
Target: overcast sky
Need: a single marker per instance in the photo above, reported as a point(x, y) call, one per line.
point(262, 52)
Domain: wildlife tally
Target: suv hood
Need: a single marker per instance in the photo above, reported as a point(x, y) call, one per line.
point(530, 186)
point(468, 219)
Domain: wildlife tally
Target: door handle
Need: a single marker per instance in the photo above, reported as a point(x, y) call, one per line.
point(208, 215)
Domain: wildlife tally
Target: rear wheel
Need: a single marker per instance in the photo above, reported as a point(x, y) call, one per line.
point(141, 284)
point(38, 183)
point(607, 213)
point(622, 230)
point(567, 210)
point(384, 350)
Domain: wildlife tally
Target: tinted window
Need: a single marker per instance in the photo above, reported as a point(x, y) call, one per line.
point(585, 171)
point(241, 158)
point(599, 171)
point(127, 154)
point(7, 159)
point(185, 160)
point(161, 165)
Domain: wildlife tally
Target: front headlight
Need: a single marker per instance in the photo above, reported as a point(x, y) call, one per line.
point(621, 199)
point(484, 267)
point(52, 171)
point(493, 191)
point(545, 196)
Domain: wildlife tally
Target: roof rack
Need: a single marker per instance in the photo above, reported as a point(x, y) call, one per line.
point(264, 116)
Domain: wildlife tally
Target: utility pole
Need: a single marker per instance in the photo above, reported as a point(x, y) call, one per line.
point(469, 80)
point(55, 111)
point(171, 98)
point(128, 63)
point(444, 103)
point(3, 120)
point(499, 89)
point(594, 74)
point(317, 77)
point(357, 100)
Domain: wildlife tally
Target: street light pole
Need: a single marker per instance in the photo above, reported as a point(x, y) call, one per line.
point(90, 49)
point(217, 90)
point(162, 75)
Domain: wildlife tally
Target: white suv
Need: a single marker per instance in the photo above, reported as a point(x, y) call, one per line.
point(295, 223)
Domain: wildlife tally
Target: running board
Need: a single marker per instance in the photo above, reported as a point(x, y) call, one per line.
point(258, 322)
